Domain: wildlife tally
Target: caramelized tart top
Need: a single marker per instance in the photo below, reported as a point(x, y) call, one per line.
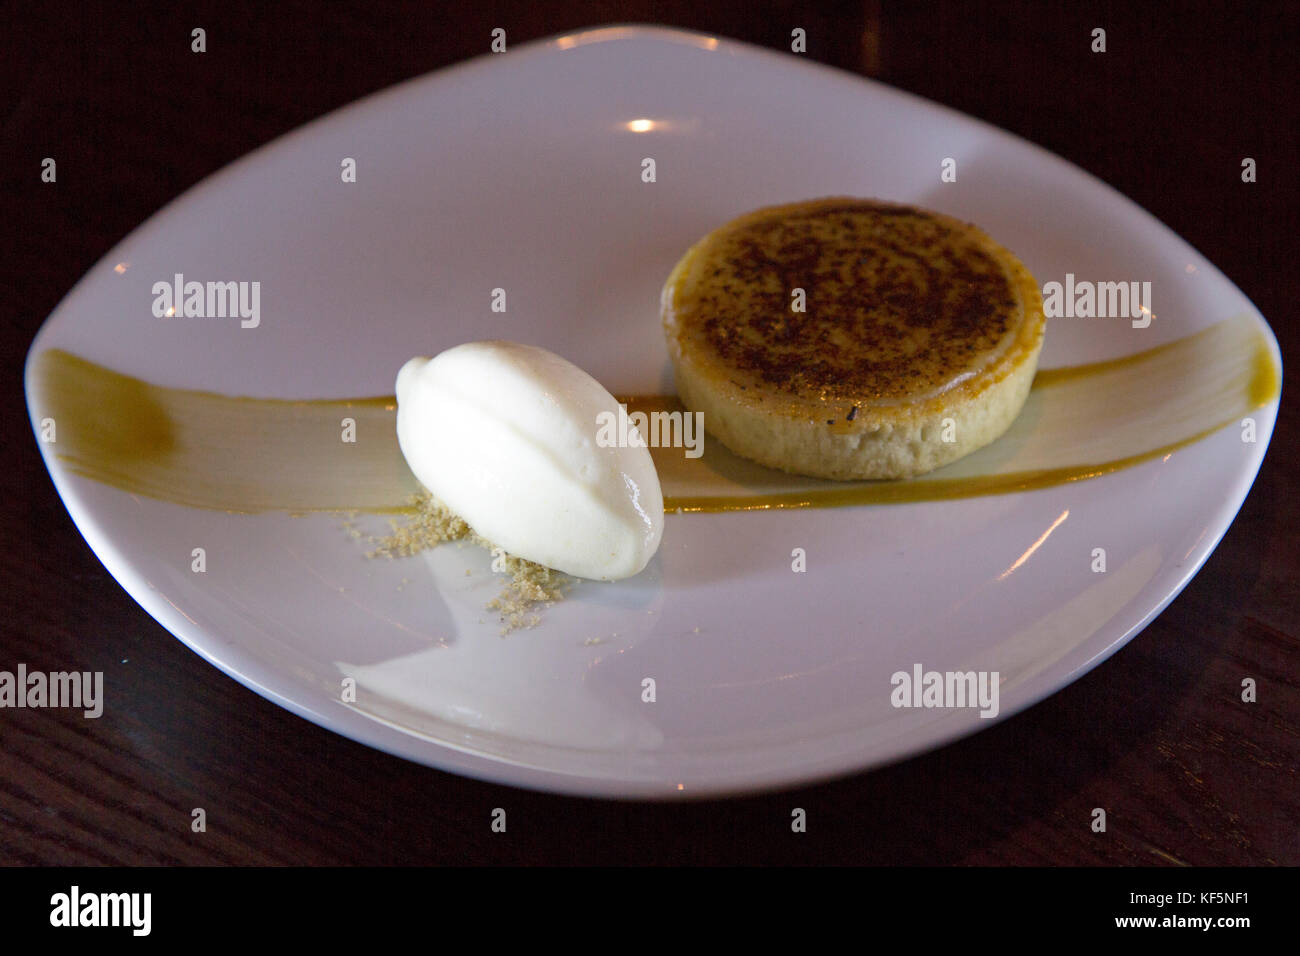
point(901, 304)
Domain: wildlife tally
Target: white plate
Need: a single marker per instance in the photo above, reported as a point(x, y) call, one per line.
point(519, 171)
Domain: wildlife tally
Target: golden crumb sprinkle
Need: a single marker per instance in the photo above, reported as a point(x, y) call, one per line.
point(432, 524)
point(531, 585)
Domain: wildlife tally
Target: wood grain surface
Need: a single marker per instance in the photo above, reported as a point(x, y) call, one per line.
point(1157, 735)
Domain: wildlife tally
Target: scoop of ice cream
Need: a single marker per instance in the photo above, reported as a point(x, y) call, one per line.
point(506, 436)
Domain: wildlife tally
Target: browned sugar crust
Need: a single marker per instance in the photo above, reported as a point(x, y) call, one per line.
point(899, 301)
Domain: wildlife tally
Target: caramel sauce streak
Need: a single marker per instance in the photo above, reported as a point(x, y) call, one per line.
point(207, 450)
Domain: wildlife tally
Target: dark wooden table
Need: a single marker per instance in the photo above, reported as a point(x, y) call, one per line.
point(1157, 735)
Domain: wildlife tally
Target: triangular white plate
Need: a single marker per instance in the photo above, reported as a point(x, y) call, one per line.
point(522, 171)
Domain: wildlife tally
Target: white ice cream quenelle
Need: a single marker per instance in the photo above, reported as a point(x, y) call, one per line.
point(505, 435)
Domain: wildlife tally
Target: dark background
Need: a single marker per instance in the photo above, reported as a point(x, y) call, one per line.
point(1157, 735)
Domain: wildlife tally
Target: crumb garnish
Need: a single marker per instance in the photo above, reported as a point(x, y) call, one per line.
point(530, 587)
